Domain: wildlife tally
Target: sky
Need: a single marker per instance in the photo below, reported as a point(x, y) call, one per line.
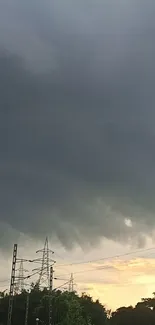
point(116, 275)
point(77, 125)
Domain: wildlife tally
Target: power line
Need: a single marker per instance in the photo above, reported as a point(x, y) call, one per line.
point(62, 285)
point(107, 258)
point(84, 271)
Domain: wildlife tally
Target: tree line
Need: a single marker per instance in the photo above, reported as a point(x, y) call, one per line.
point(68, 308)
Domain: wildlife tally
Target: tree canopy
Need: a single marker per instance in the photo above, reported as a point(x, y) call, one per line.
point(68, 308)
point(143, 313)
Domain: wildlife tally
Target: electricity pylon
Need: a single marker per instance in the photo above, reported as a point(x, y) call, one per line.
point(13, 271)
point(71, 283)
point(46, 262)
point(19, 287)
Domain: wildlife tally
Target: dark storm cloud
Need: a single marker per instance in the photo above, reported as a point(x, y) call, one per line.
point(77, 118)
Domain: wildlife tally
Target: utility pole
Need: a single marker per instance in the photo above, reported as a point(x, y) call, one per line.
point(50, 295)
point(12, 284)
point(27, 308)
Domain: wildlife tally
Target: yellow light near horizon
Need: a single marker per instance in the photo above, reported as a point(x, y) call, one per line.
point(115, 296)
point(144, 279)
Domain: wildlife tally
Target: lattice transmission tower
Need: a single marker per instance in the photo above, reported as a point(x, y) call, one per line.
point(12, 282)
point(46, 262)
point(19, 285)
point(71, 283)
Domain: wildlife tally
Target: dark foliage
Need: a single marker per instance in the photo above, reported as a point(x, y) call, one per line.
point(67, 308)
point(142, 314)
point(70, 309)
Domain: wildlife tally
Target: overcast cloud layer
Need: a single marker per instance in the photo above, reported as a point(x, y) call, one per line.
point(77, 115)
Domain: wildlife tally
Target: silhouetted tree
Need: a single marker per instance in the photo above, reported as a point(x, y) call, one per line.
point(67, 308)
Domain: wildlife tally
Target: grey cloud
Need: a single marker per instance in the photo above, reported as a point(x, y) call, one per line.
point(77, 119)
